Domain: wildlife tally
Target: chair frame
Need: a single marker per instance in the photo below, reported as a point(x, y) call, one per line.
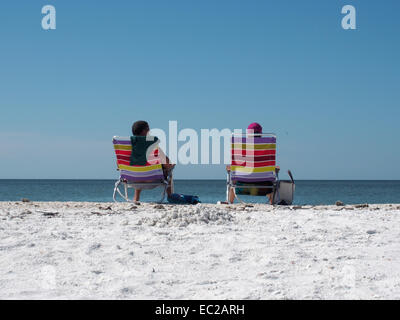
point(231, 184)
point(140, 185)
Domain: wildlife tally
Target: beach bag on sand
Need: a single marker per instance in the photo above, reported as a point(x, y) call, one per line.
point(177, 198)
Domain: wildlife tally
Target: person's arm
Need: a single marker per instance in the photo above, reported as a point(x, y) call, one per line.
point(163, 157)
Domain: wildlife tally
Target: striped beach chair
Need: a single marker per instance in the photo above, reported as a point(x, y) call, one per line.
point(149, 176)
point(253, 162)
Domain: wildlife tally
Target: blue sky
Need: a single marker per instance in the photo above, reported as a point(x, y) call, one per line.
point(331, 95)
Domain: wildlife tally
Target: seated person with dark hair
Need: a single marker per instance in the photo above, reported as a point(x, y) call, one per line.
point(141, 143)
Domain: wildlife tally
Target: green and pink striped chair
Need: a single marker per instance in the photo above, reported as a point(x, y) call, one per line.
point(149, 176)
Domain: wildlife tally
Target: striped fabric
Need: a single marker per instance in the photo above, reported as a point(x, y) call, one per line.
point(253, 159)
point(152, 171)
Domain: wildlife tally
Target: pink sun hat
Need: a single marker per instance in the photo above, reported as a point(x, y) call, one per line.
point(254, 128)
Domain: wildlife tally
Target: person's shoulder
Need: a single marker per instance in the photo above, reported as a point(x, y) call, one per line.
point(148, 140)
point(152, 139)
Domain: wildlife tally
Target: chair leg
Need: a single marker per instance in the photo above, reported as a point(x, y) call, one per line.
point(115, 189)
point(172, 184)
point(275, 192)
point(276, 188)
point(236, 197)
point(170, 181)
point(126, 191)
point(163, 194)
point(227, 188)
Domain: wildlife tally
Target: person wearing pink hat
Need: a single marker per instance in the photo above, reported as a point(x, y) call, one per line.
point(253, 129)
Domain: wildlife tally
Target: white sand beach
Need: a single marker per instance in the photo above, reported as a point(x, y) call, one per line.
point(80, 250)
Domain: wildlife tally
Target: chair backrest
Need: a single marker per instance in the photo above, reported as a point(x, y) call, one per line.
point(253, 157)
point(152, 171)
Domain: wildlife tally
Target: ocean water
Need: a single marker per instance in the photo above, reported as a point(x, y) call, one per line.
point(210, 191)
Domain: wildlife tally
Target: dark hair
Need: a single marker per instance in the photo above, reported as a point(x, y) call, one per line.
point(139, 126)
